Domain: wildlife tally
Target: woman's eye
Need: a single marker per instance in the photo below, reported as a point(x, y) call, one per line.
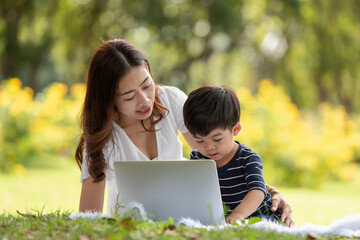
point(146, 87)
point(129, 99)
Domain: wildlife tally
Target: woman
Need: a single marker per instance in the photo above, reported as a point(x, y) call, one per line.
point(127, 117)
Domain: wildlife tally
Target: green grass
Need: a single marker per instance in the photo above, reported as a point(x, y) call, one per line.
point(324, 206)
point(37, 204)
point(53, 183)
point(58, 225)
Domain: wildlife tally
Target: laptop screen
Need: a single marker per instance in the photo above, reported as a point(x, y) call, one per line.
point(175, 188)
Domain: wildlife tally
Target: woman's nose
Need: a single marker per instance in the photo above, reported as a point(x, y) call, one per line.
point(143, 99)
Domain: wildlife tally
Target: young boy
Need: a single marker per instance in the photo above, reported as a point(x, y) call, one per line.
point(212, 115)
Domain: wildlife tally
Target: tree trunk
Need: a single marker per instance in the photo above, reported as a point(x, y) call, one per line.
point(33, 83)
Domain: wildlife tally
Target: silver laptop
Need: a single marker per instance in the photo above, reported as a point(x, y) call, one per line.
point(177, 189)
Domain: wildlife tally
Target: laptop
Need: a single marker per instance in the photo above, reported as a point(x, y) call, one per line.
point(175, 188)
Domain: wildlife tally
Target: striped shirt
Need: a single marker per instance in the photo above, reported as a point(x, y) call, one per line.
point(240, 175)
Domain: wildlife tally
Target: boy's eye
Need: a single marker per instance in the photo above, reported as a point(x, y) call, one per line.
point(199, 141)
point(218, 140)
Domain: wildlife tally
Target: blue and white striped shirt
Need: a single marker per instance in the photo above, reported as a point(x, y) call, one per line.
point(239, 176)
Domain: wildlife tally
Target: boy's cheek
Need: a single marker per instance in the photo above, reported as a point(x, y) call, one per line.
point(197, 147)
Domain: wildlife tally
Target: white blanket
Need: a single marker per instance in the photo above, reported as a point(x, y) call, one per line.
point(348, 226)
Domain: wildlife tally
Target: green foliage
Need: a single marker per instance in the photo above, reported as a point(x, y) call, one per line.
point(310, 48)
point(254, 220)
point(58, 225)
point(30, 126)
point(14, 123)
point(297, 148)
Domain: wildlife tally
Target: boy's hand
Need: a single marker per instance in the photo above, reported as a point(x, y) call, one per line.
point(234, 217)
point(248, 205)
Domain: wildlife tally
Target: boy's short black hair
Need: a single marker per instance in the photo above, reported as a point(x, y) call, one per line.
point(211, 107)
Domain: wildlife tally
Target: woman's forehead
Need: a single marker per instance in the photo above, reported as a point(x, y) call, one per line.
point(133, 79)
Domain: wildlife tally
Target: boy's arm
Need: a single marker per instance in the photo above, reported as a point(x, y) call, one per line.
point(256, 185)
point(249, 204)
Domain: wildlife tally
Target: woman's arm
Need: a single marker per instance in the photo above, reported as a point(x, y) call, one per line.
point(248, 205)
point(279, 203)
point(92, 195)
point(189, 139)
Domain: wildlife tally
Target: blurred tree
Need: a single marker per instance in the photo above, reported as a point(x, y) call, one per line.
point(310, 48)
point(46, 36)
point(26, 37)
point(78, 31)
point(322, 61)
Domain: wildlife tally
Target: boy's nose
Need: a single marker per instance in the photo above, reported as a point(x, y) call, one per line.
point(210, 147)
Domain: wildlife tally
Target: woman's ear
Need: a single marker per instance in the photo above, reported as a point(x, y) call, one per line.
point(236, 129)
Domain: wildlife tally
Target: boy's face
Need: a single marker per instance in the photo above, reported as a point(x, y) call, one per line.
point(219, 144)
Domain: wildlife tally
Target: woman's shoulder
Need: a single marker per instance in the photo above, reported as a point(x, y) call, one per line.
point(170, 92)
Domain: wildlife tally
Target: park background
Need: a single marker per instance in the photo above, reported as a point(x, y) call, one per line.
point(293, 64)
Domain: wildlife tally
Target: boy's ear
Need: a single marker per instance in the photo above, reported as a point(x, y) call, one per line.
point(236, 129)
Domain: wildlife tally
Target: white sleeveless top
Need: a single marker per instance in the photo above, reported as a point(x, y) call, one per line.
point(167, 138)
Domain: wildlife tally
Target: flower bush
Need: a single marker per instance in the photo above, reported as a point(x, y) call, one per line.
point(296, 148)
point(32, 125)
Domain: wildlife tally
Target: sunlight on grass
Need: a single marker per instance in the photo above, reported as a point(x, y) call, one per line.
point(335, 200)
point(53, 183)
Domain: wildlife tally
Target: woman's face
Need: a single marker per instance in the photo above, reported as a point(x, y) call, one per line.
point(135, 95)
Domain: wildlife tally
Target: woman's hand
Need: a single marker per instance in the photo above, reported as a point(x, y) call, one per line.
point(279, 203)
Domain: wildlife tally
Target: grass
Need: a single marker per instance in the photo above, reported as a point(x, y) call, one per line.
point(51, 183)
point(49, 191)
point(58, 225)
point(324, 206)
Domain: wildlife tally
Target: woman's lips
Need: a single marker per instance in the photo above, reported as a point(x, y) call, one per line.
point(144, 112)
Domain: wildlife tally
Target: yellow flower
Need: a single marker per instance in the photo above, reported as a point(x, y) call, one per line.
point(20, 170)
point(14, 85)
point(348, 172)
point(308, 161)
point(57, 91)
point(77, 90)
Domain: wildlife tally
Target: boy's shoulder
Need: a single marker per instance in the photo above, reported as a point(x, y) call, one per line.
point(244, 148)
point(245, 151)
point(195, 154)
